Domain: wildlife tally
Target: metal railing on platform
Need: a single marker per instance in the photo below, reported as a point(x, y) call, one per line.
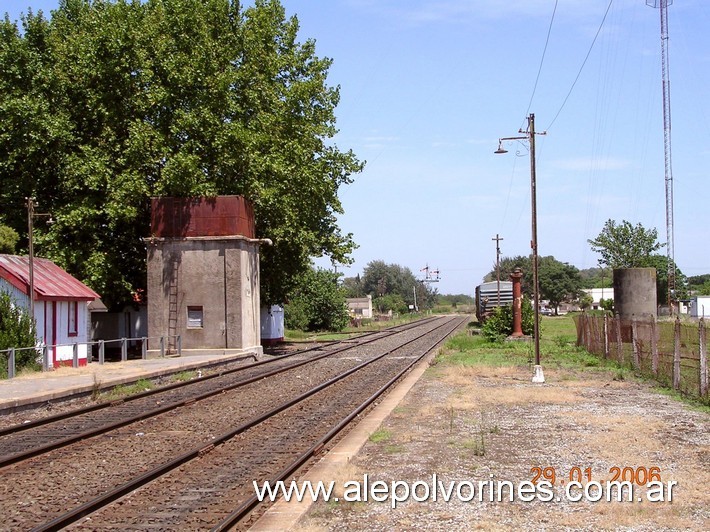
point(43, 351)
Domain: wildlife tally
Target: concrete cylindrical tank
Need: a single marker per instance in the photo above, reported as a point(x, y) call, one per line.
point(635, 292)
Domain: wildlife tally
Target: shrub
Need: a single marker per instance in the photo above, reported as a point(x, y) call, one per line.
point(499, 324)
point(16, 330)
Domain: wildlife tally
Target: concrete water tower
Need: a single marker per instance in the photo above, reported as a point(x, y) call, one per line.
point(635, 292)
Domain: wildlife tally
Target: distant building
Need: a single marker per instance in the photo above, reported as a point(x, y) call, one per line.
point(699, 307)
point(203, 274)
point(598, 294)
point(360, 307)
point(60, 305)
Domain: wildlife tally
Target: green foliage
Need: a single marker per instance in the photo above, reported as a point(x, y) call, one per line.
point(454, 300)
point(8, 239)
point(499, 325)
point(700, 284)
point(625, 245)
point(16, 330)
point(660, 262)
point(607, 304)
point(108, 104)
point(380, 280)
point(585, 301)
point(393, 302)
point(557, 281)
point(317, 304)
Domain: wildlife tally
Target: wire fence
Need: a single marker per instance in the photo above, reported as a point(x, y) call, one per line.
point(87, 349)
point(673, 352)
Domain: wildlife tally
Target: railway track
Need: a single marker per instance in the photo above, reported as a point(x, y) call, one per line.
point(26, 440)
point(206, 472)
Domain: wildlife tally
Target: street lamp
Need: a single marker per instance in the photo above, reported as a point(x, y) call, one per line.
point(529, 135)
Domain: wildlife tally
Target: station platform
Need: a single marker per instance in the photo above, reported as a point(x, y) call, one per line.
point(62, 383)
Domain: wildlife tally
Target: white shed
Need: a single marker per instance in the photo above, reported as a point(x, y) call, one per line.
point(60, 305)
point(699, 306)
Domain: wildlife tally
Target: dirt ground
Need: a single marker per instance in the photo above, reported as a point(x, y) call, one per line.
point(488, 424)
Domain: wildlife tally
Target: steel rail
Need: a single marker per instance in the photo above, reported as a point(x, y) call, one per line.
point(116, 493)
point(246, 507)
point(63, 442)
point(91, 408)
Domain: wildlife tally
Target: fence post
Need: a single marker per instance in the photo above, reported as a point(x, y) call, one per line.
point(703, 359)
point(619, 351)
point(124, 349)
point(11, 363)
point(676, 354)
point(144, 348)
point(179, 345)
point(102, 352)
point(45, 357)
point(75, 355)
point(634, 342)
point(162, 347)
point(606, 336)
point(654, 347)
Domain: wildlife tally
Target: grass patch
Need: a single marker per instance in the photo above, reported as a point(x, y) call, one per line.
point(124, 390)
point(184, 376)
point(380, 435)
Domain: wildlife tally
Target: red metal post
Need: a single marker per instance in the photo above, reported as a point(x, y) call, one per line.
point(516, 276)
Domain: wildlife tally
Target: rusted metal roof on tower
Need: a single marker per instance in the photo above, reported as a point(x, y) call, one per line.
point(196, 217)
point(51, 283)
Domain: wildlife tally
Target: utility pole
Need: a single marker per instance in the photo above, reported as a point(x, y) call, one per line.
point(31, 215)
point(30, 202)
point(529, 135)
point(498, 239)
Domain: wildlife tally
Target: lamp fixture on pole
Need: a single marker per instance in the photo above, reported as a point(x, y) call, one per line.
point(529, 135)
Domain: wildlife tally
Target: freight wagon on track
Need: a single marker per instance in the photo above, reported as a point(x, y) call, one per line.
point(491, 295)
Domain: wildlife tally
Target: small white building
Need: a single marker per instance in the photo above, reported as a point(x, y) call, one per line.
point(60, 305)
point(598, 294)
point(699, 307)
point(360, 307)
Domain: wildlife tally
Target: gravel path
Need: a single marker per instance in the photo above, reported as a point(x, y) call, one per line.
point(482, 424)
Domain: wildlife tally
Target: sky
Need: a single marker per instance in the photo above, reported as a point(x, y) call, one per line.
point(428, 87)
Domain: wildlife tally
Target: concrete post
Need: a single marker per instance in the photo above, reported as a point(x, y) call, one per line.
point(516, 276)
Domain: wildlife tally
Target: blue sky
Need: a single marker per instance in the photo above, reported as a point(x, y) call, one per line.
point(428, 87)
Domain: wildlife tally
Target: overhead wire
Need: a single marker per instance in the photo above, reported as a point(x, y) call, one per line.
point(542, 59)
point(581, 68)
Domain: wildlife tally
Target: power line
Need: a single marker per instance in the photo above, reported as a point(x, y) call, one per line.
point(542, 60)
point(583, 63)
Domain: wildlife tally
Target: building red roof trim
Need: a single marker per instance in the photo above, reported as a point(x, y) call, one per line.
point(51, 283)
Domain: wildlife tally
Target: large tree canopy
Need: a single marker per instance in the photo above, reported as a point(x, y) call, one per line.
point(392, 287)
point(625, 245)
point(109, 103)
point(558, 281)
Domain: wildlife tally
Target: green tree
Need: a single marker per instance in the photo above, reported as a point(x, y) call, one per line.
point(8, 239)
point(381, 279)
point(507, 265)
point(317, 303)
point(110, 103)
point(16, 330)
point(660, 263)
point(559, 282)
point(625, 245)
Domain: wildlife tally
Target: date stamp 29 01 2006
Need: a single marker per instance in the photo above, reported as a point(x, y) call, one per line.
point(618, 477)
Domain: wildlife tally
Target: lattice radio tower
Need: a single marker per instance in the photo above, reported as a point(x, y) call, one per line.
point(670, 251)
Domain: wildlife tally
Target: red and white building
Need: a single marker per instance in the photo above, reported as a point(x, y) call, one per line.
point(60, 305)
